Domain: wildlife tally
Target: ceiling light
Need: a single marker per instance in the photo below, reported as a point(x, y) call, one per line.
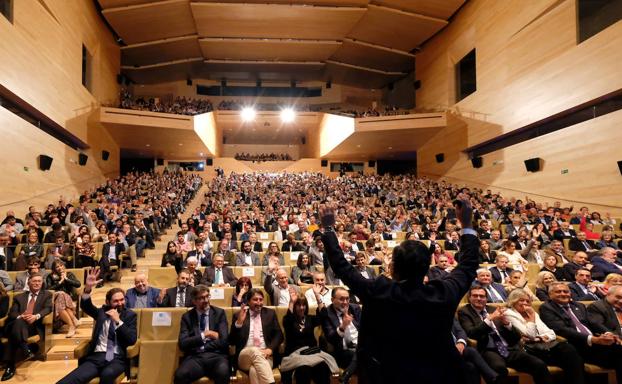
point(180, 144)
point(288, 115)
point(248, 114)
point(147, 145)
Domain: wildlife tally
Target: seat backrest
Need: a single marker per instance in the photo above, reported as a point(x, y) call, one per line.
point(253, 273)
point(221, 297)
point(154, 324)
point(162, 277)
point(159, 359)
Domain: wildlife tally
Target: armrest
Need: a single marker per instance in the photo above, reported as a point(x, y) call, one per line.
point(133, 350)
point(3, 321)
point(472, 343)
point(48, 319)
point(81, 349)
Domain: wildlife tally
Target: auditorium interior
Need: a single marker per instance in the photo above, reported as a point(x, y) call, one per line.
point(253, 112)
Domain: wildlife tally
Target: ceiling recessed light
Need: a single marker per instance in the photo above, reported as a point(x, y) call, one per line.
point(147, 145)
point(288, 115)
point(248, 114)
point(180, 144)
point(358, 145)
point(390, 147)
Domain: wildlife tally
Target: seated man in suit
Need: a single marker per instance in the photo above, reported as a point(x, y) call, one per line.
point(291, 245)
point(114, 330)
point(582, 288)
point(607, 312)
point(579, 261)
point(59, 251)
point(204, 257)
point(580, 243)
point(497, 341)
point(320, 290)
point(556, 248)
point(219, 275)
point(439, 271)
point(500, 272)
point(361, 266)
point(607, 262)
point(111, 255)
point(256, 334)
point(570, 320)
point(564, 232)
point(476, 365)
point(279, 293)
point(203, 339)
point(247, 257)
point(24, 320)
point(341, 323)
point(22, 278)
point(142, 295)
point(495, 292)
point(181, 294)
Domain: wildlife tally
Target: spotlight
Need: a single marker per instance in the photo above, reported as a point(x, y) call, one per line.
point(248, 114)
point(288, 115)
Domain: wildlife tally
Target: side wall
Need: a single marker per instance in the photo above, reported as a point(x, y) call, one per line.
point(41, 62)
point(529, 67)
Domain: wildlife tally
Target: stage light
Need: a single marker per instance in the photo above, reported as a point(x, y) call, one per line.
point(288, 115)
point(248, 114)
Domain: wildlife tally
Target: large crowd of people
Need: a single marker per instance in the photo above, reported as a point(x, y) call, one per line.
point(178, 105)
point(260, 157)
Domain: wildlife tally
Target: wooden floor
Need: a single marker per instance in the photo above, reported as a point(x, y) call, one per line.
point(60, 359)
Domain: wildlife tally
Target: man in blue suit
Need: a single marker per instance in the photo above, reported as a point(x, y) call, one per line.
point(495, 293)
point(113, 332)
point(142, 295)
point(606, 262)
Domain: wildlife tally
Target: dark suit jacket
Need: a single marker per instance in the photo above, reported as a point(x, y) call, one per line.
point(43, 306)
point(496, 274)
point(603, 268)
point(457, 331)
point(499, 289)
point(190, 339)
point(272, 334)
point(205, 260)
point(602, 313)
point(556, 318)
point(287, 247)
point(570, 269)
point(578, 294)
point(6, 262)
point(152, 297)
point(419, 315)
point(436, 273)
point(119, 247)
point(477, 329)
point(209, 275)
point(330, 323)
point(576, 245)
point(171, 296)
point(559, 234)
point(126, 333)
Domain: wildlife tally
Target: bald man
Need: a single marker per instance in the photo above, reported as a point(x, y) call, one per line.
point(142, 295)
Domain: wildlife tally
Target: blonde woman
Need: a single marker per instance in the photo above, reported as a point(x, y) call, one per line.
point(544, 279)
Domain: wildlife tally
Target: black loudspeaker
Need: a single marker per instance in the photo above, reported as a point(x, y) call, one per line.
point(293, 83)
point(303, 140)
point(209, 162)
point(533, 165)
point(188, 82)
point(223, 83)
point(324, 163)
point(391, 86)
point(82, 159)
point(417, 84)
point(477, 162)
point(329, 85)
point(224, 139)
point(620, 166)
point(45, 162)
point(371, 164)
point(258, 83)
point(105, 155)
point(160, 161)
point(440, 157)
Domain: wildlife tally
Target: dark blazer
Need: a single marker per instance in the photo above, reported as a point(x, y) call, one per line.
point(577, 245)
point(126, 333)
point(420, 315)
point(295, 337)
point(152, 297)
point(496, 274)
point(603, 267)
point(602, 313)
point(171, 296)
point(558, 273)
point(190, 339)
point(578, 294)
point(330, 323)
point(477, 329)
point(559, 234)
point(556, 318)
point(119, 248)
point(205, 260)
point(272, 334)
point(209, 275)
point(570, 269)
point(436, 273)
point(257, 247)
point(457, 331)
point(6, 261)
point(370, 272)
point(499, 289)
point(288, 247)
point(43, 306)
point(542, 294)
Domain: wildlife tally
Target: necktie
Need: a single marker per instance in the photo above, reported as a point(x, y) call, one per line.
point(494, 295)
point(202, 322)
point(256, 330)
point(578, 325)
point(30, 307)
point(112, 337)
point(586, 245)
point(181, 299)
point(502, 349)
point(218, 276)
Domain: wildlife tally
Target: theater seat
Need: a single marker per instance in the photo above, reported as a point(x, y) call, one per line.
point(592, 369)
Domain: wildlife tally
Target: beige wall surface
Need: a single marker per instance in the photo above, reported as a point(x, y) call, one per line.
point(41, 62)
point(529, 67)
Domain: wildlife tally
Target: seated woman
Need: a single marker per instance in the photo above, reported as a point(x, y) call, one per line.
point(544, 279)
point(516, 280)
point(536, 254)
point(486, 255)
point(86, 252)
point(102, 234)
point(550, 265)
point(438, 250)
point(540, 233)
point(516, 259)
point(299, 335)
point(273, 250)
point(374, 257)
point(302, 272)
point(65, 284)
point(541, 341)
point(611, 280)
point(607, 240)
point(243, 285)
point(32, 248)
point(172, 257)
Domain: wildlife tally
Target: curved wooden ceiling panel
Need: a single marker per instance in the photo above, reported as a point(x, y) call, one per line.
point(334, 3)
point(268, 49)
point(274, 20)
point(441, 9)
point(373, 56)
point(160, 51)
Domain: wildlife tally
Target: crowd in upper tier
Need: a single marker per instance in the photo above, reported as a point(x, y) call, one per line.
point(259, 157)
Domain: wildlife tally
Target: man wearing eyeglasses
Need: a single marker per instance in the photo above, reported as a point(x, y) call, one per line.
point(203, 339)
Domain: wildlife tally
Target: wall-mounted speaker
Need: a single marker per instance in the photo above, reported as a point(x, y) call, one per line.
point(159, 161)
point(82, 159)
point(371, 164)
point(258, 83)
point(45, 162)
point(620, 166)
point(223, 83)
point(303, 140)
point(324, 163)
point(417, 84)
point(533, 165)
point(209, 162)
point(440, 157)
point(477, 162)
point(391, 86)
point(105, 155)
point(329, 85)
point(188, 82)
point(224, 139)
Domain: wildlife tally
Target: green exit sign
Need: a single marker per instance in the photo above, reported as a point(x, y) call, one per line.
point(564, 171)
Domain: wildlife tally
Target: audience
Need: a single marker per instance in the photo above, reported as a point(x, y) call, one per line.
point(259, 157)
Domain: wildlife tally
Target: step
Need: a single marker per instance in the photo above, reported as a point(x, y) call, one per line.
point(60, 352)
point(81, 334)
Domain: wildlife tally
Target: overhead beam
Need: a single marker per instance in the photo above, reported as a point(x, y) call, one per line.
point(385, 73)
point(160, 41)
point(401, 12)
point(164, 64)
point(381, 47)
point(139, 6)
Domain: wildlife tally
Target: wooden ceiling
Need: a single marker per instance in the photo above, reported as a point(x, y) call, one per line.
point(364, 43)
